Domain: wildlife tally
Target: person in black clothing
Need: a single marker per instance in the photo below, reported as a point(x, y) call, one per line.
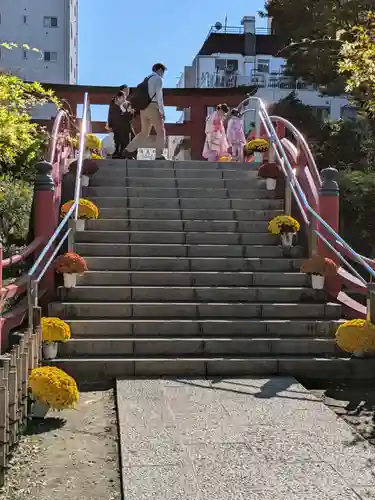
point(120, 117)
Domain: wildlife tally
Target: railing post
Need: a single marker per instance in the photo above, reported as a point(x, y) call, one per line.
point(329, 207)
point(44, 209)
point(371, 302)
point(1, 301)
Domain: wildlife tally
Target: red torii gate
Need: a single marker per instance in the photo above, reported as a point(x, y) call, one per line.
point(197, 99)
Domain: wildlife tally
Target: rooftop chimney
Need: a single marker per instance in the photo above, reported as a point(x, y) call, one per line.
point(248, 23)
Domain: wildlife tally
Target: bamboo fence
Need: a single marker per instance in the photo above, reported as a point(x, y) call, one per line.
point(15, 367)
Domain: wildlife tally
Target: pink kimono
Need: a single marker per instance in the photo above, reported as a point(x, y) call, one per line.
point(216, 144)
point(236, 137)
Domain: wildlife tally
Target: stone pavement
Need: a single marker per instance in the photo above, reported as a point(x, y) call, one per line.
point(237, 439)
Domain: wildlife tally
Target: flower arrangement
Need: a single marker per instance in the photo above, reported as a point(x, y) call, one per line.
point(356, 336)
point(70, 263)
point(321, 266)
point(86, 209)
point(283, 224)
point(53, 387)
point(89, 167)
point(54, 330)
point(92, 142)
point(226, 158)
point(96, 156)
point(269, 171)
point(257, 146)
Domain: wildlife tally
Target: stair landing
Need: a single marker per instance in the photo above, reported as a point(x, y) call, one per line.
point(237, 439)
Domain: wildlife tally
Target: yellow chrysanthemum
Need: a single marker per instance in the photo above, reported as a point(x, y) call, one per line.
point(356, 335)
point(55, 330)
point(257, 146)
point(53, 387)
point(86, 209)
point(283, 224)
point(92, 142)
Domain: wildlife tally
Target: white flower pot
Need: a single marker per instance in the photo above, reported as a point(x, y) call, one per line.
point(80, 224)
point(317, 281)
point(70, 280)
point(38, 409)
point(359, 354)
point(270, 184)
point(50, 350)
point(287, 239)
point(85, 179)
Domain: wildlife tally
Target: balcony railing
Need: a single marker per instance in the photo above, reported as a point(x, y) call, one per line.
point(269, 81)
point(236, 30)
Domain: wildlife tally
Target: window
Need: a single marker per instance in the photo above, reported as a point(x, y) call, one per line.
point(263, 66)
point(349, 113)
point(50, 56)
point(228, 65)
point(24, 19)
point(50, 22)
point(25, 54)
point(320, 112)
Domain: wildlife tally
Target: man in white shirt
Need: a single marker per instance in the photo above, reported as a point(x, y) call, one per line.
point(152, 115)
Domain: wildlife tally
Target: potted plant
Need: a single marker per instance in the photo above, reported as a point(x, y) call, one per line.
point(257, 146)
point(357, 337)
point(86, 210)
point(52, 388)
point(70, 265)
point(319, 268)
point(54, 331)
point(89, 168)
point(285, 226)
point(225, 159)
point(270, 172)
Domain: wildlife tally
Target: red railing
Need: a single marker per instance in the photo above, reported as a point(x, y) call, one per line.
point(59, 150)
point(321, 239)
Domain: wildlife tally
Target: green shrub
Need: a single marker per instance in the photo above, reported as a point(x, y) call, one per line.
point(15, 208)
point(358, 210)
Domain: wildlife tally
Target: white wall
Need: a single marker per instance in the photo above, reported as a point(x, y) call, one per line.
point(22, 21)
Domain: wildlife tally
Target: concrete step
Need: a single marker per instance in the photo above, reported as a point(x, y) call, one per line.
point(199, 238)
point(190, 192)
point(300, 367)
point(178, 225)
point(185, 278)
point(125, 178)
point(189, 203)
point(175, 250)
point(194, 310)
point(229, 264)
point(257, 186)
point(188, 214)
point(174, 165)
point(232, 327)
point(186, 294)
point(206, 226)
point(185, 346)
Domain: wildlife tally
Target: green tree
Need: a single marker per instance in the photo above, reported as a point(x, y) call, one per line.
point(299, 114)
point(312, 45)
point(358, 64)
point(21, 140)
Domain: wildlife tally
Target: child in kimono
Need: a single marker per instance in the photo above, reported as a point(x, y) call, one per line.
point(216, 144)
point(236, 135)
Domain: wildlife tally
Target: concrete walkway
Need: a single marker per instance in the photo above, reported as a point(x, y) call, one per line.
point(243, 439)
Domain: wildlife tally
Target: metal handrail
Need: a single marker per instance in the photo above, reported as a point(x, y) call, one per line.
point(296, 187)
point(35, 276)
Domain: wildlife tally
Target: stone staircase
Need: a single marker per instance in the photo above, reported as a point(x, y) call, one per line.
point(184, 279)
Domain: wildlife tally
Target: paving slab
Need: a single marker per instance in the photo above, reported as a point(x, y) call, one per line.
point(237, 439)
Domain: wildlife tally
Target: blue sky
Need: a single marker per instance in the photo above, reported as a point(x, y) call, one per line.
point(120, 41)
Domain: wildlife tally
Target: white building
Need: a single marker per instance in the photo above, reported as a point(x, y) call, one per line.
point(247, 56)
point(48, 25)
